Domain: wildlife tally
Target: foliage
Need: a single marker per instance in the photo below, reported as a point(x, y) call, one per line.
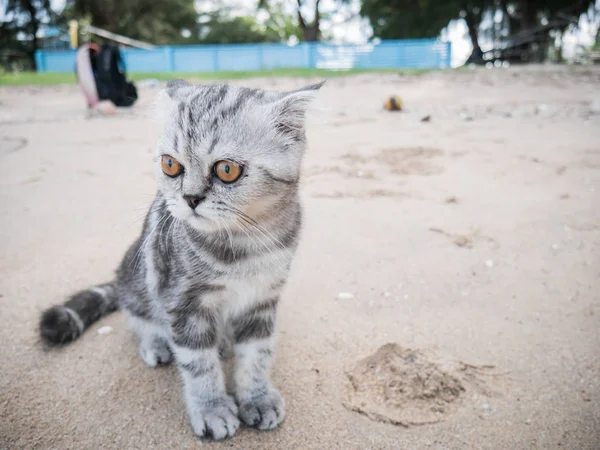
point(221, 28)
point(398, 19)
point(279, 26)
point(177, 22)
point(401, 19)
point(395, 19)
point(15, 53)
point(539, 24)
point(157, 22)
point(22, 21)
point(306, 30)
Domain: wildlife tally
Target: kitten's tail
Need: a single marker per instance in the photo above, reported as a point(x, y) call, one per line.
point(65, 323)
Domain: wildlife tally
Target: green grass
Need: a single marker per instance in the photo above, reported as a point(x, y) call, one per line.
point(33, 78)
point(25, 78)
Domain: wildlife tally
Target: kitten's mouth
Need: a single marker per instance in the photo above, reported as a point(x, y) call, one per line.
point(198, 215)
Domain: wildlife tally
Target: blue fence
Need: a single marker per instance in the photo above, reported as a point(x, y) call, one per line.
point(403, 54)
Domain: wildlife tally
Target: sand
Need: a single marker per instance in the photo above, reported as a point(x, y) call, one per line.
point(470, 240)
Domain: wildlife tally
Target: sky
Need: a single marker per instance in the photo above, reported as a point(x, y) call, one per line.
point(344, 25)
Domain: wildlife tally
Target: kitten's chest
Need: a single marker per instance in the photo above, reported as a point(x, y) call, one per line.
point(247, 285)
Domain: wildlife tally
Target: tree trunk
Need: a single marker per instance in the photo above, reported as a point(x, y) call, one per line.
point(527, 14)
point(310, 32)
point(506, 16)
point(34, 25)
point(473, 25)
point(560, 57)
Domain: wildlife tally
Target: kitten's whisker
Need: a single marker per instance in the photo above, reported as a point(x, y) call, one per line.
point(247, 223)
point(270, 237)
point(273, 238)
point(259, 226)
point(245, 232)
point(219, 228)
point(147, 208)
point(138, 219)
point(252, 225)
point(243, 214)
point(160, 232)
point(275, 256)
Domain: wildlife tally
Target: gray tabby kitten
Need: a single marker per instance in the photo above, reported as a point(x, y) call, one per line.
point(206, 274)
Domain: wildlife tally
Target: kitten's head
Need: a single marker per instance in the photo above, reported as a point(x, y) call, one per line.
point(228, 151)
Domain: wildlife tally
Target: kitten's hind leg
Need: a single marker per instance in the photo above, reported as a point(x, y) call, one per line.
point(153, 341)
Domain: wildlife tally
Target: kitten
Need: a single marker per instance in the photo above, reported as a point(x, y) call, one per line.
point(214, 253)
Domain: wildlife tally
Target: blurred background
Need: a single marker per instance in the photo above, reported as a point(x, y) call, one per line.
point(485, 31)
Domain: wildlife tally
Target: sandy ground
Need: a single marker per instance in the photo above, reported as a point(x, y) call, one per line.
point(471, 240)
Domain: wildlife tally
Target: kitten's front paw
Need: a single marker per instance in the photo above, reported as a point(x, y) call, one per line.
point(217, 419)
point(263, 411)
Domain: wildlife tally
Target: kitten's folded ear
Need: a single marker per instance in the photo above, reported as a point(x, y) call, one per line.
point(312, 87)
point(169, 97)
point(290, 111)
point(174, 86)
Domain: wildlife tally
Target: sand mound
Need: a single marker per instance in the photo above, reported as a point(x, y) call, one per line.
point(402, 387)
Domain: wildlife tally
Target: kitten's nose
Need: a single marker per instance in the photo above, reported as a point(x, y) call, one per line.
point(193, 200)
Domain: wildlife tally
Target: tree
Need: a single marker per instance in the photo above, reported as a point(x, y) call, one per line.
point(155, 21)
point(472, 12)
point(404, 19)
point(536, 20)
point(311, 31)
point(20, 31)
point(532, 27)
point(279, 25)
point(224, 27)
point(235, 30)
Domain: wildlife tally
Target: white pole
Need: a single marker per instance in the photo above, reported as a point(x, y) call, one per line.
point(118, 38)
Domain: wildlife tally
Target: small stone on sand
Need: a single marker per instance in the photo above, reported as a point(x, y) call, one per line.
point(105, 330)
point(345, 295)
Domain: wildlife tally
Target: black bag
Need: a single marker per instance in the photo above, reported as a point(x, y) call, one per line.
point(109, 73)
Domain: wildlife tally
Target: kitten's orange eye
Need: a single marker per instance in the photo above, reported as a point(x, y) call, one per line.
point(170, 166)
point(227, 171)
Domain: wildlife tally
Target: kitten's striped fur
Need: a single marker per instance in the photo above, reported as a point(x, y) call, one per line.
point(202, 281)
